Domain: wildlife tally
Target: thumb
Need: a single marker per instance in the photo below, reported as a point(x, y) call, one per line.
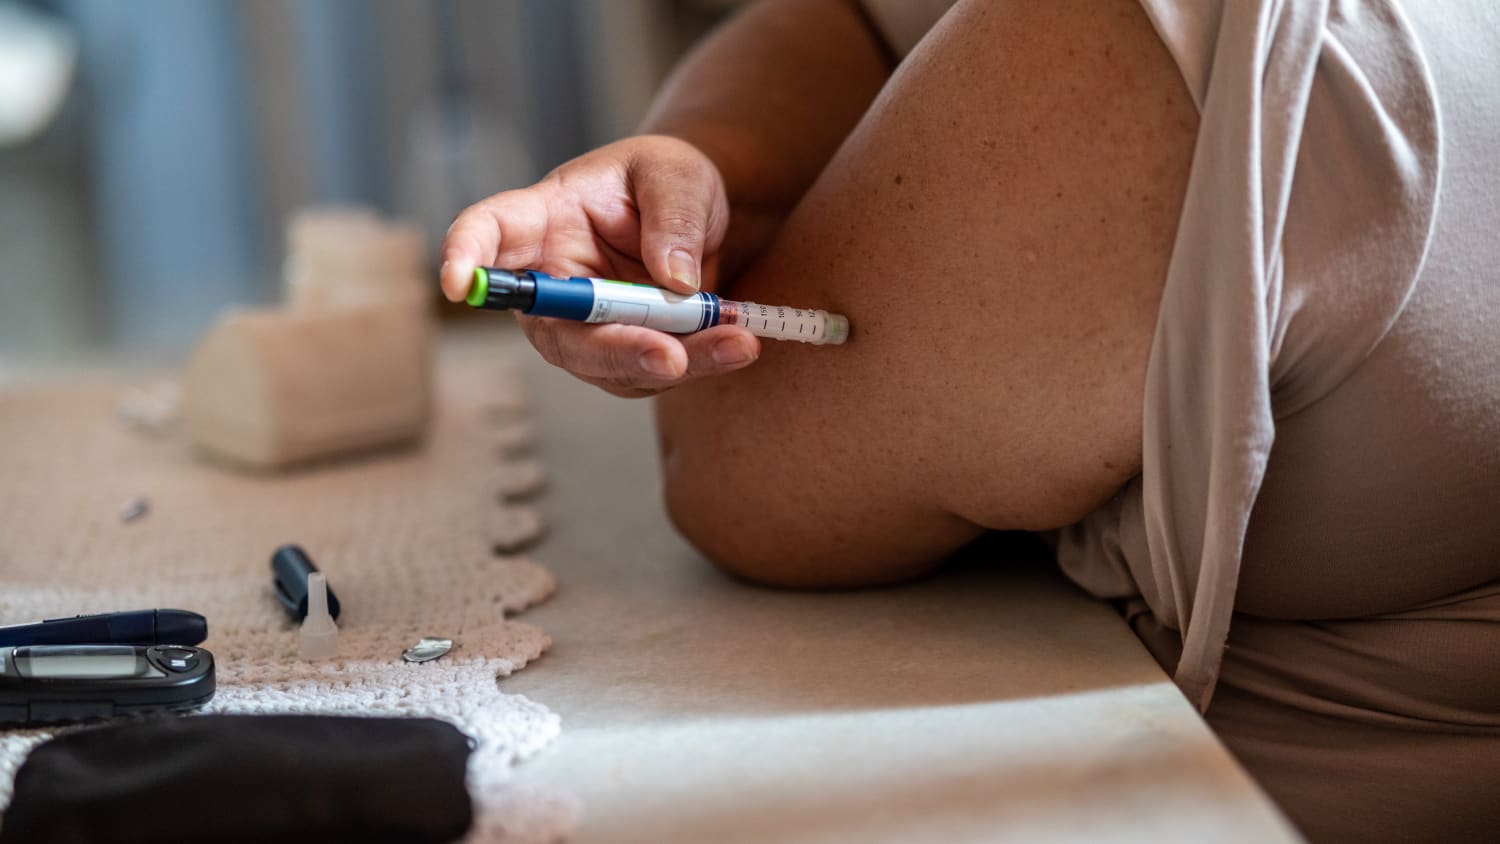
point(683, 216)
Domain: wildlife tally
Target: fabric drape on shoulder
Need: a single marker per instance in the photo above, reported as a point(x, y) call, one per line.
point(1306, 220)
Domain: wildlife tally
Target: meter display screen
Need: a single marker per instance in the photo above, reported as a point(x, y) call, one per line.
point(70, 662)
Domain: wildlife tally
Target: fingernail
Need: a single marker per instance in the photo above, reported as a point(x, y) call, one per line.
point(683, 268)
point(656, 363)
point(730, 351)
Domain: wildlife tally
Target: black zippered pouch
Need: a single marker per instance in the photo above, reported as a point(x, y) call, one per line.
point(245, 779)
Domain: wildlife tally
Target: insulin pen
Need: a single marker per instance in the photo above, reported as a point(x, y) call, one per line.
point(601, 300)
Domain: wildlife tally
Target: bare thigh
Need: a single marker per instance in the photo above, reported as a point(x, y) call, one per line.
point(997, 228)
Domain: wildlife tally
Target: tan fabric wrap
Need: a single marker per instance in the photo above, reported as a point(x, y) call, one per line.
point(1306, 221)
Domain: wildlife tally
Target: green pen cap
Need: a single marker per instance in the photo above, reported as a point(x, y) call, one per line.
point(480, 289)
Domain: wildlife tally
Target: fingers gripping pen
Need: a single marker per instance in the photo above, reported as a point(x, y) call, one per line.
point(600, 300)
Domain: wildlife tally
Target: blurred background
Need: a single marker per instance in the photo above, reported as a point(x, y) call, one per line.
point(151, 151)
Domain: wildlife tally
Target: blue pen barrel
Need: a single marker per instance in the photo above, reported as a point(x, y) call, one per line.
point(564, 298)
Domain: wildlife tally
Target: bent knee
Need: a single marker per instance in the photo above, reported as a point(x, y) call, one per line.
point(767, 564)
point(766, 553)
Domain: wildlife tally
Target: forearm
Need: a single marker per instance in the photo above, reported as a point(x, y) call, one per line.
point(769, 97)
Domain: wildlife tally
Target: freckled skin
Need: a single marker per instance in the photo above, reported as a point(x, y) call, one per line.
point(997, 228)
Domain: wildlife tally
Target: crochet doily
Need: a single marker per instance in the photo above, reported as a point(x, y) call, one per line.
point(97, 515)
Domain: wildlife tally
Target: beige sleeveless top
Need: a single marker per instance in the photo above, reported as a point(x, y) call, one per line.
point(1316, 529)
point(1305, 225)
point(1307, 221)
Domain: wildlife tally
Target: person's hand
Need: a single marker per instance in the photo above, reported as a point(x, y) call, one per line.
point(646, 209)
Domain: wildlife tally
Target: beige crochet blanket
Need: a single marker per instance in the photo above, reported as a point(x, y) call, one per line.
point(408, 541)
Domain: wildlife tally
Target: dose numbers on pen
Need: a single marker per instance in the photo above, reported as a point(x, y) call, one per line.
point(781, 323)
